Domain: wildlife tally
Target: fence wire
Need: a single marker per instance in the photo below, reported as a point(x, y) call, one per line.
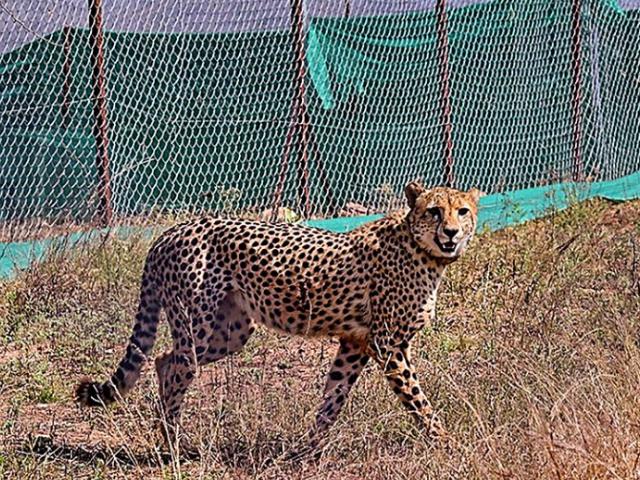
point(114, 111)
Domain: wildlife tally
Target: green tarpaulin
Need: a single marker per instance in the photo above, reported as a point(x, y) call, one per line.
point(496, 211)
point(199, 122)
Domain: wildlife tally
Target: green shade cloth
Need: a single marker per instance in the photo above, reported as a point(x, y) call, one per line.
point(496, 212)
point(198, 122)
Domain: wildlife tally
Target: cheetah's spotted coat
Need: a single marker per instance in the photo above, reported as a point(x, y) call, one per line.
point(373, 288)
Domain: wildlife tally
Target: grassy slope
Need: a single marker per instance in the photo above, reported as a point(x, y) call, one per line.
point(533, 363)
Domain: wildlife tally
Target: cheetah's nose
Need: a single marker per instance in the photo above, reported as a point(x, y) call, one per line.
point(450, 232)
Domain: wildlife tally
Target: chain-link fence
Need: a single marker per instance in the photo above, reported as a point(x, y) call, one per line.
point(324, 107)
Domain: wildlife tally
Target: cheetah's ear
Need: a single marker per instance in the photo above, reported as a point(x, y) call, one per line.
point(476, 194)
point(412, 191)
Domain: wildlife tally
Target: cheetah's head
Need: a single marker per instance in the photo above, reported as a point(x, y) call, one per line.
point(442, 220)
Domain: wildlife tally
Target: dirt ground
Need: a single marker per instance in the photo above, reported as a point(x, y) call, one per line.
point(533, 363)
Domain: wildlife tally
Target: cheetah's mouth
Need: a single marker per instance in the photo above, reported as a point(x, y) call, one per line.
point(446, 247)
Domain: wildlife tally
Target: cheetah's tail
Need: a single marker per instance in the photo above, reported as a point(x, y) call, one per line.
point(91, 393)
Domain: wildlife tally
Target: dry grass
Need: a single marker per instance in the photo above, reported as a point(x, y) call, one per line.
point(534, 365)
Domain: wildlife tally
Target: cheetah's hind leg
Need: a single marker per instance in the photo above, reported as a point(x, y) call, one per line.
point(212, 337)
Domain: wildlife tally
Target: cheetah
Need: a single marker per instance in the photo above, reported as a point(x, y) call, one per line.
point(373, 288)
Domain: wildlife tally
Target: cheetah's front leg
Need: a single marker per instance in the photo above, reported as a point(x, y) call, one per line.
point(402, 377)
point(344, 372)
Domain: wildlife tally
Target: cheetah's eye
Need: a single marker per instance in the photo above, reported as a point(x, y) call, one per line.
point(463, 211)
point(434, 212)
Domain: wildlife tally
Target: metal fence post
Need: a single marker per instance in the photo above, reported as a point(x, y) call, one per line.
point(67, 80)
point(302, 114)
point(443, 56)
point(576, 54)
point(99, 95)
